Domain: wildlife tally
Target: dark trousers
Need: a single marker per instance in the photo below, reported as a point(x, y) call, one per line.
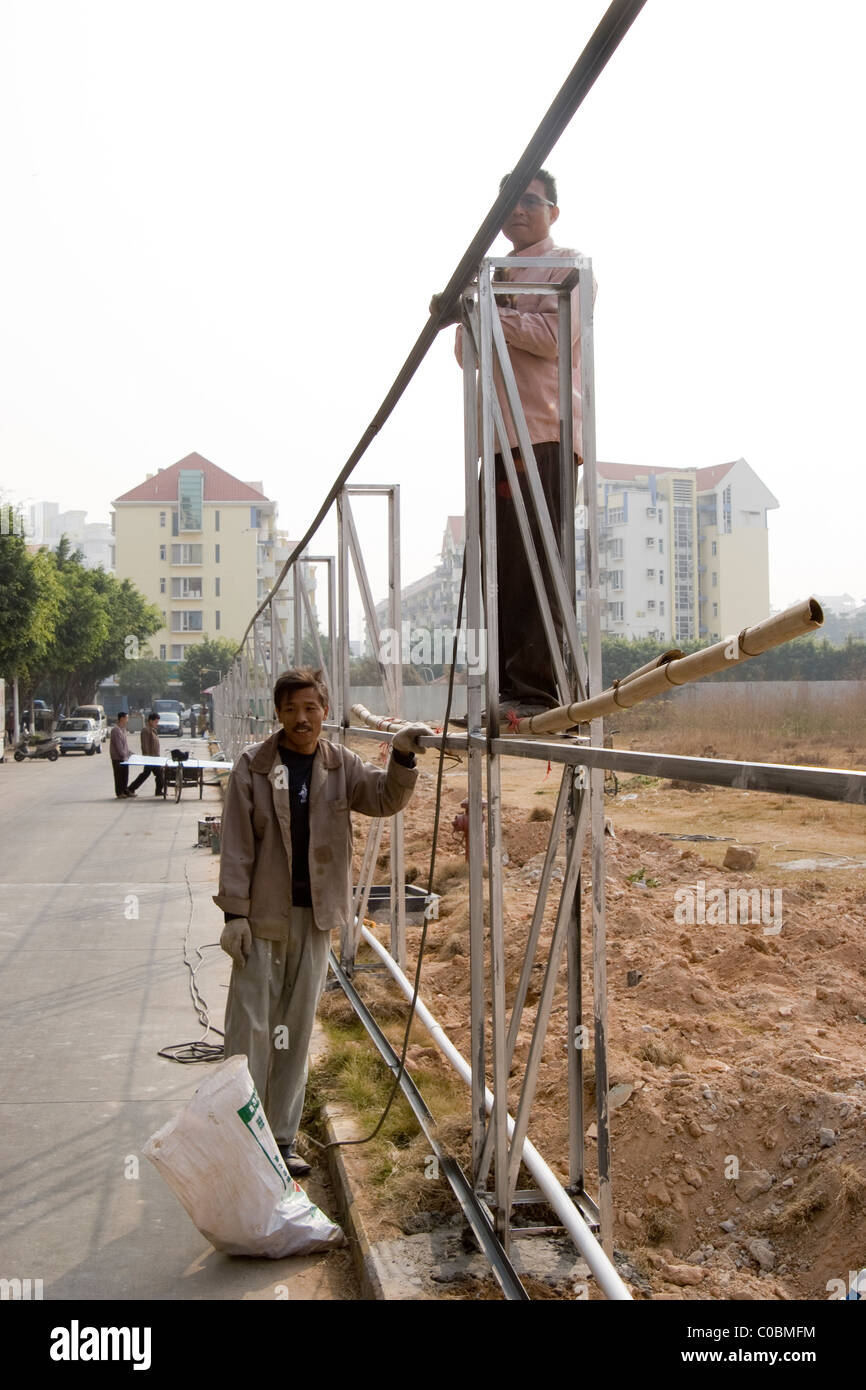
point(143, 776)
point(526, 671)
point(121, 777)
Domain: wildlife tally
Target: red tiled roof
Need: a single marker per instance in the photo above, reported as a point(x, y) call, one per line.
point(706, 478)
point(219, 486)
point(626, 472)
point(710, 477)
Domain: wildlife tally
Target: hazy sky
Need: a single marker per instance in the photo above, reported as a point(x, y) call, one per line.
point(223, 224)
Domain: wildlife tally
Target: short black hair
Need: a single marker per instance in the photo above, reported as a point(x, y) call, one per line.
point(543, 177)
point(298, 678)
point(123, 714)
point(153, 715)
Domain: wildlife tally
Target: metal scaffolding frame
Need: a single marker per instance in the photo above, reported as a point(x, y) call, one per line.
point(243, 711)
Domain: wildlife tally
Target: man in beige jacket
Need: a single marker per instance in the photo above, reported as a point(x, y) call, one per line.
point(150, 749)
point(286, 881)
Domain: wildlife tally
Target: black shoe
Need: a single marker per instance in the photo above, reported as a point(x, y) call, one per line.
point(297, 1166)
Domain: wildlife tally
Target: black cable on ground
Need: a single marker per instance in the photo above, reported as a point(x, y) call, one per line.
point(198, 1051)
point(344, 1143)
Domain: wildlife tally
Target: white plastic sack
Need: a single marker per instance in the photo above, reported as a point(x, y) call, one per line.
point(220, 1160)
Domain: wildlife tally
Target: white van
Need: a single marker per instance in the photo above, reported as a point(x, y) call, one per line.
point(96, 713)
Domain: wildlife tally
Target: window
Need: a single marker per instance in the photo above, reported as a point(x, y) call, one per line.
point(614, 548)
point(187, 620)
point(162, 518)
point(162, 586)
point(162, 652)
point(661, 608)
point(616, 579)
point(216, 554)
point(650, 542)
point(615, 515)
point(177, 651)
point(650, 511)
point(715, 580)
point(217, 587)
point(661, 576)
point(650, 574)
point(651, 605)
point(715, 610)
point(174, 523)
point(162, 552)
point(190, 498)
point(217, 620)
point(186, 588)
point(186, 554)
point(216, 520)
point(714, 547)
point(661, 546)
point(163, 617)
point(615, 611)
point(256, 518)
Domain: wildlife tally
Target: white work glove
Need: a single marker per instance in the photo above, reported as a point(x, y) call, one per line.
point(406, 741)
point(237, 940)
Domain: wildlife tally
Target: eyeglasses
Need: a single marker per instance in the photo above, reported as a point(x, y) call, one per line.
point(530, 202)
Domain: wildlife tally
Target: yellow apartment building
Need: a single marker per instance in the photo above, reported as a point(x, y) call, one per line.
point(200, 544)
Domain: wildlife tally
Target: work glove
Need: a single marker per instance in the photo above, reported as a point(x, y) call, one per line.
point(237, 940)
point(406, 741)
point(454, 317)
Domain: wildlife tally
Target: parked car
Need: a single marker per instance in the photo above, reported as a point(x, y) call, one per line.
point(79, 736)
point(96, 713)
point(169, 723)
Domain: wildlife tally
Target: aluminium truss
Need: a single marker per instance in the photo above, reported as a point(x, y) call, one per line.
point(243, 713)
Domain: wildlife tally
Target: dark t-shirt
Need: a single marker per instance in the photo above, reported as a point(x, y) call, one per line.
point(300, 768)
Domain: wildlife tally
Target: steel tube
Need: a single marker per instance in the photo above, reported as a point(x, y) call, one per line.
point(608, 34)
point(551, 1189)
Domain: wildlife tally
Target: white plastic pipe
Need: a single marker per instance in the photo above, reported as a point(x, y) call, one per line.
point(608, 1279)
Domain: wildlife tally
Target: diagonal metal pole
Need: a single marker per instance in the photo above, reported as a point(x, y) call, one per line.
point(603, 43)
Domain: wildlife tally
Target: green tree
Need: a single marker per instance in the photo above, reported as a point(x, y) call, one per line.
point(203, 664)
point(144, 680)
point(30, 602)
point(100, 622)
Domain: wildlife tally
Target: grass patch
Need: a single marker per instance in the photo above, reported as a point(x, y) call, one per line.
point(640, 877)
point(660, 1054)
point(660, 1226)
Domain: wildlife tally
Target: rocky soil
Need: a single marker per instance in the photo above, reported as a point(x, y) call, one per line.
point(736, 1048)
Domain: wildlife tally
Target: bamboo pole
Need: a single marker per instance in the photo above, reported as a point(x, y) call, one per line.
point(643, 685)
point(658, 675)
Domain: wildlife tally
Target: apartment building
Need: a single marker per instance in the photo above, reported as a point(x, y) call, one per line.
point(683, 552)
point(47, 523)
point(201, 545)
point(430, 603)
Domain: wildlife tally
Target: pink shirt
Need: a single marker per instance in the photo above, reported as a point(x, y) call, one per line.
point(531, 331)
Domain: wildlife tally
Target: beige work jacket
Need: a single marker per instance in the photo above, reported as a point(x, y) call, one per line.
point(256, 842)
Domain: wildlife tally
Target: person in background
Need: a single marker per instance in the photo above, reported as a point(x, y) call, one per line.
point(118, 749)
point(149, 749)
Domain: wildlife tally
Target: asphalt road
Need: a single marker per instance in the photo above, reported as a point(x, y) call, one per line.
point(96, 897)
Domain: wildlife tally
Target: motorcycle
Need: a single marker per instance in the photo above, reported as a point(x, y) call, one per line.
point(47, 748)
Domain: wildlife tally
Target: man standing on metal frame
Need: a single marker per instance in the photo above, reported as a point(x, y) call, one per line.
point(286, 881)
point(527, 682)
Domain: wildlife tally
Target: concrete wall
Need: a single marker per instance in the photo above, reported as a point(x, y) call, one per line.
point(806, 691)
point(424, 702)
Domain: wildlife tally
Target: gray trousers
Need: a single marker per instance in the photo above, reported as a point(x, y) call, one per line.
point(269, 1017)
